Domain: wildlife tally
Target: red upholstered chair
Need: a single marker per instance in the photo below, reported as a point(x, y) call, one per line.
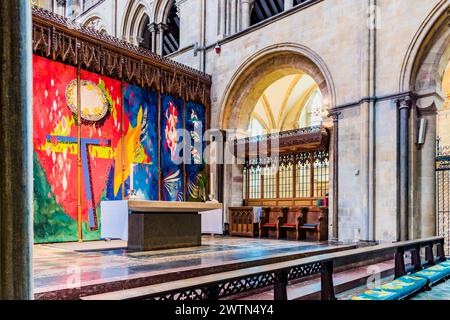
point(271, 220)
point(296, 217)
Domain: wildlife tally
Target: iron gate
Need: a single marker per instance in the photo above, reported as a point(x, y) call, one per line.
point(443, 193)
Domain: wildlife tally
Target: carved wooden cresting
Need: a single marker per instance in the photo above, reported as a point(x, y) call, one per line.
point(60, 39)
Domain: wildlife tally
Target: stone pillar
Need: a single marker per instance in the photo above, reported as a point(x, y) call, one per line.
point(404, 106)
point(153, 28)
point(16, 160)
point(245, 14)
point(222, 18)
point(162, 29)
point(233, 22)
point(288, 4)
point(335, 117)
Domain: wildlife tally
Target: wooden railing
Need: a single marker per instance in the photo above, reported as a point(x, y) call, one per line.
point(278, 275)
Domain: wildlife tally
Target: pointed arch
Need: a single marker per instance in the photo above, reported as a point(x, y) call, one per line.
point(165, 12)
point(136, 13)
point(161, 10)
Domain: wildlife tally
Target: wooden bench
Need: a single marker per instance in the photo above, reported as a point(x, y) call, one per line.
point(269, 225)
point(315, 227)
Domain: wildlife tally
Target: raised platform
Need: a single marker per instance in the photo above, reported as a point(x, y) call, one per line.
point(68, 271)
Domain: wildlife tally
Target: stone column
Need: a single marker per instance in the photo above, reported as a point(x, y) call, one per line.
point(16, 160)
point(162, 29)
point(153, 28)
point(245, 14)
point(404, 106)
point(288, 4)
point(233, 22)
point(222, 18)
point(335, 117)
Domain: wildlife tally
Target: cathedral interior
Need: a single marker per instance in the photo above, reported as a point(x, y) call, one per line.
point(225, 149)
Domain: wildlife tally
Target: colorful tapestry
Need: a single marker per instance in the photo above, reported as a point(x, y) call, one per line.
point(117, 141)
point(101, 118)
point(195, 166)
point(140, 143)
point(56, 148)
point(172, 167)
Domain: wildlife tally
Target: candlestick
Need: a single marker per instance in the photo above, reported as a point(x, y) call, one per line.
point(212, 184)
point(131, 176)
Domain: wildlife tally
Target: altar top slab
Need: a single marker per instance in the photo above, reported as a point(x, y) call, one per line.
point(171, 207)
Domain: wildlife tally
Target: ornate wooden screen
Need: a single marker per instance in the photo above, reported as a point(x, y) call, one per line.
point(299, 178)
point(443, 193)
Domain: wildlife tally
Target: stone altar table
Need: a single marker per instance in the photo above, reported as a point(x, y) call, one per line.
point(159, 225)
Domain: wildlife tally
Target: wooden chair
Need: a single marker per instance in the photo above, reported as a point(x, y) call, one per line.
point(316, 226)
point(296, 217)
point(271, 220)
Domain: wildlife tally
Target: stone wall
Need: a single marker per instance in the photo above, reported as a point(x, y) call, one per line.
point(336, 34)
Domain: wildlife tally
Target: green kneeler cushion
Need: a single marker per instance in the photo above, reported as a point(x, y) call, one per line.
point(435, 273)
point(445, 263)
point(395, 290)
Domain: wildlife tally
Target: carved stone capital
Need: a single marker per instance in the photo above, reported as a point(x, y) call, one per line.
point(152, 27)
point(405, 102)
point(335, 115)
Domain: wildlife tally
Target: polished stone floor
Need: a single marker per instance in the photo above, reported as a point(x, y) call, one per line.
point(66, 266)
point(439, 292)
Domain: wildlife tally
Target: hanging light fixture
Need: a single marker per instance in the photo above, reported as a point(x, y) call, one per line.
point(218, 48)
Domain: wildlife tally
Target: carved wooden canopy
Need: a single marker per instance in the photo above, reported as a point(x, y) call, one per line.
point(293, 141)
point(58, 38)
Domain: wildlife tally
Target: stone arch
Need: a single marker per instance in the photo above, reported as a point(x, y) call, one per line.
point(165, 12)
point(422, 69)
point(97, 23)
point(422, 73)
point(136, 13)
point(262, 69)
point(161, 9)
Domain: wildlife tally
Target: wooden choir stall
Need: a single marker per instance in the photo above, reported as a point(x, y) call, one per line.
point(285, 186)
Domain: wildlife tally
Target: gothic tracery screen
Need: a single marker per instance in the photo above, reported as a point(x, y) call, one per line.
point(291, 176)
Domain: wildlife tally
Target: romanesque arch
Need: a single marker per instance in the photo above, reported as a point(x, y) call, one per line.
point(250, 80)
point(262, 69)
point(422, 68)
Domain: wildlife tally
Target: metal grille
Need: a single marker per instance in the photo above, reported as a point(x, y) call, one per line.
point(443, 193)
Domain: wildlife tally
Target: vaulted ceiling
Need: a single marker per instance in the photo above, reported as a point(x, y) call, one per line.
point(280, 106)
